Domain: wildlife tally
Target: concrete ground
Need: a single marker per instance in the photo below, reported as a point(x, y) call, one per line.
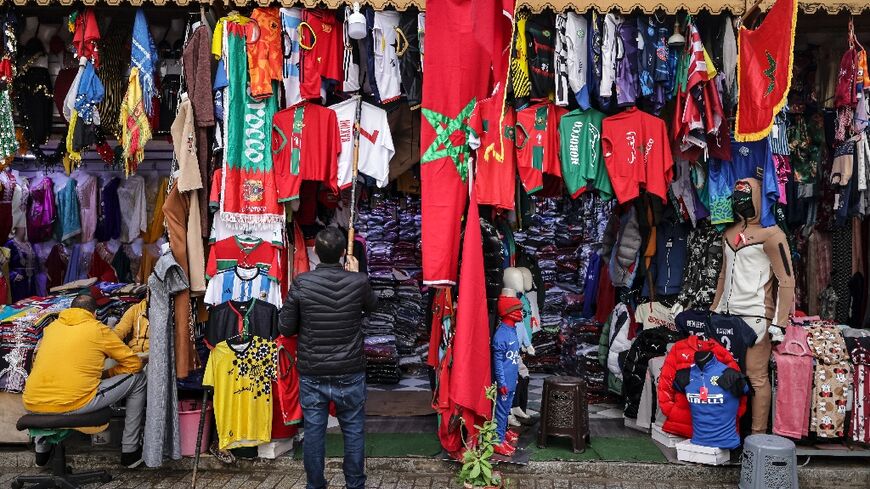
point(415, 473)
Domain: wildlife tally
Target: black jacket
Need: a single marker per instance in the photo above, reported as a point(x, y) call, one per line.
point(325, 307)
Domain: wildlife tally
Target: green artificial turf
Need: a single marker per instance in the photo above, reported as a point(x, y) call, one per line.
point(612, 449)
point(389, 445)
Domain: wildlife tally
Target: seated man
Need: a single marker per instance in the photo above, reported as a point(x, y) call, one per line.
point(66, 374)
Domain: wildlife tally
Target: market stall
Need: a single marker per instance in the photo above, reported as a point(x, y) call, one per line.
point(177, 137)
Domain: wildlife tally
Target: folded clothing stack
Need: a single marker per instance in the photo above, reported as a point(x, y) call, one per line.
point(391, 227)
point(563, 235)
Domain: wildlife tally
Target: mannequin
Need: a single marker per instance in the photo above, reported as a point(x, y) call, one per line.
point(158, 32)
point(31, 26)
point(45, 33)
point(505, 360)
point(714, 392)
point(176, 30)
point(753, 257)
point(531, 322)
point(528, 288)
point(22, 265)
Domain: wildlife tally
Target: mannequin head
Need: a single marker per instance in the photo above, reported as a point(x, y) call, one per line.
point(513, 282)
point(528, 281)
point(510, 310)
point(743, 201)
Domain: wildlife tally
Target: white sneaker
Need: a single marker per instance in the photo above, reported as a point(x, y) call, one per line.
point(518, 412)
point(513, 421)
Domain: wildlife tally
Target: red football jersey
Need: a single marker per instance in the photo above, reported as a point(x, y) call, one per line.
point(637, 152)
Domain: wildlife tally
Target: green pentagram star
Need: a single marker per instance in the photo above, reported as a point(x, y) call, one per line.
point(442, 147)
point(770, 73)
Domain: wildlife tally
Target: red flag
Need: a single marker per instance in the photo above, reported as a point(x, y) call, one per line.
point(764, 66)
point(456, 73)
point(493, 23)
point(471, 373)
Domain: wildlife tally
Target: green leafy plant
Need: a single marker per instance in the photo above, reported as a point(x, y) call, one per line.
point(476, 465)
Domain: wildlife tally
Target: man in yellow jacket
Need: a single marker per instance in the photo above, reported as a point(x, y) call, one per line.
point(68, 377)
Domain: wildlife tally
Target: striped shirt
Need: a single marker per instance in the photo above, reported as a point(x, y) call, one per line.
point(242, 284)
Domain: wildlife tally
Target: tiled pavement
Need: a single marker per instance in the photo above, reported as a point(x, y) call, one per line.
point(295, 478)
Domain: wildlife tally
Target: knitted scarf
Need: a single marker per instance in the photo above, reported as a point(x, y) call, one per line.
point(143, 55)
point(135, 129)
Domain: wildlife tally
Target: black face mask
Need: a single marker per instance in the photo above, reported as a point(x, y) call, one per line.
point(741, 201)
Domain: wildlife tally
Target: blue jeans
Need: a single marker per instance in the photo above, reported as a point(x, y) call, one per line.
point(349, 394)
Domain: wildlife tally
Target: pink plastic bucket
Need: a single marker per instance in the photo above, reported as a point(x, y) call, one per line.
point(188, 424)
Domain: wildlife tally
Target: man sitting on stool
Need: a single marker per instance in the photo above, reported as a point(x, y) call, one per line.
point(67, 372)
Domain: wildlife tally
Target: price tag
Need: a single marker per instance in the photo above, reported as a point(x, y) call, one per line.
point(703, 392)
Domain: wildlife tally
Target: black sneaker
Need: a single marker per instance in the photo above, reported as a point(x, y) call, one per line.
point(132, 460)
point(42, 458)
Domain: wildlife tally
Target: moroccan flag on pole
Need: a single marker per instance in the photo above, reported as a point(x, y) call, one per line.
point(456, 73)
point(764, 70)
point(471, 373)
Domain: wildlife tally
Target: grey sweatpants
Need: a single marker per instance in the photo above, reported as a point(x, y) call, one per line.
point(110, 391)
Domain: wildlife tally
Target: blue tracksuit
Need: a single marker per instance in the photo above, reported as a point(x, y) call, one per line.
point(505, 360)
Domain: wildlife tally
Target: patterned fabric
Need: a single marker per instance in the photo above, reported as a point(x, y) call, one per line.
point(832, 380)
point(135, 128)
point(702, 268)
point(841, 271)
point(859, 350)
point(8, 142)
point(249, 189)
point(265, 56)
point(143, 56)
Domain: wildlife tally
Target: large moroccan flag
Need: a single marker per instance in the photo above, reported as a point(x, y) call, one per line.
point(764, 70)
point(456, 73)
point(471, 372)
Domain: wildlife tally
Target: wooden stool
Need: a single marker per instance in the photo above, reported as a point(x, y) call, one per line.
point(564, 412)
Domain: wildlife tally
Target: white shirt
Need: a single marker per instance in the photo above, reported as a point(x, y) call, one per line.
point(270, 233)
point(388, 75)
point(242, 284)
point(609, 54)
point(134, 215)
point(290, 20)
point(351, 68)
point(561, 62)
point(576, 32)
point(375, 142)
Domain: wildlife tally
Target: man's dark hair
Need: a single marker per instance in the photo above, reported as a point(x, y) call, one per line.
point(86, 302)
point(329, 245)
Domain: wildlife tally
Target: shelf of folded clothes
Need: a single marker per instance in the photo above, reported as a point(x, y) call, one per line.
point(391, 228)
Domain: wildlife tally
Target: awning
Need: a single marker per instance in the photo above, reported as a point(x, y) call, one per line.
point(667, 6)
point(691, 6)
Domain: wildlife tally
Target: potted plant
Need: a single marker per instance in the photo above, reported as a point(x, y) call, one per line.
point(477, 469)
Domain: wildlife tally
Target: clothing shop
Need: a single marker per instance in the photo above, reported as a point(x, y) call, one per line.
point(164, 159)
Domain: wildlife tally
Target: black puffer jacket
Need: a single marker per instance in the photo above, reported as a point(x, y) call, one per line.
point(650, 343)
point(325, 307)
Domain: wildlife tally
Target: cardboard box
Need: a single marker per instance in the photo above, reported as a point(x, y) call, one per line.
point(688, 452)
point(275, 448)
point(665, 439)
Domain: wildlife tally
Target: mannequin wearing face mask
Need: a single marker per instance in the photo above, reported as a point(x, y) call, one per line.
point(757, 283)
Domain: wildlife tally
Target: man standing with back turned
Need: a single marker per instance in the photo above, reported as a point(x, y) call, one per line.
point(325, 307)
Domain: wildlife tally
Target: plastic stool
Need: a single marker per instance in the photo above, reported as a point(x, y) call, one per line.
point(564, 412)
point(768, 462)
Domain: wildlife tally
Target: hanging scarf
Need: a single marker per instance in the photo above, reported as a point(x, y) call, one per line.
point(135, 129)
point(143, 55)
point(86, 34)
point(89, 95)
point(250, 195)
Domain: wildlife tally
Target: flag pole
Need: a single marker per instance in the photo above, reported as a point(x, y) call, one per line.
point(356, 130)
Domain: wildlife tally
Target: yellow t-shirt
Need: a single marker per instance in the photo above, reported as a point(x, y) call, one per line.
point(242, 376)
